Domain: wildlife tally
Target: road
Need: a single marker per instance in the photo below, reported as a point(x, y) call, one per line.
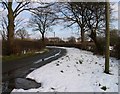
point(20, 68)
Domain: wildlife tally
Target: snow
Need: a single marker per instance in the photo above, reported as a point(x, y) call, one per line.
point(111, 47)
point(77, 71)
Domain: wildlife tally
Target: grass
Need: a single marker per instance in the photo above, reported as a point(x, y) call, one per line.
point(29, 54)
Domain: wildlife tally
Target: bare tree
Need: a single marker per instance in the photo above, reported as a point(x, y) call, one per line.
point(89, 16)
point(74, 13)
point(71, 39)
point(12, 14)
point(22, 33)
point(3, 26)
point(42, 20)
point(95, 20)
point(19, 24)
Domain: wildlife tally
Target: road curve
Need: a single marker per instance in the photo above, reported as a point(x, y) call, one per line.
point(33, 61)
point(21, 68)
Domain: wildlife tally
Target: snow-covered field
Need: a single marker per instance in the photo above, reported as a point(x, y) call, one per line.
point(77, 71)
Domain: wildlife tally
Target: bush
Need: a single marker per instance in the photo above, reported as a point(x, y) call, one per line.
point(114, 37)
point(99, 47)
point(4, 48)
point(117, 48)
point(21, 45)
point(115, 43)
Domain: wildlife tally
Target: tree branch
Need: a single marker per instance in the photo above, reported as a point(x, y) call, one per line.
point(5, 4)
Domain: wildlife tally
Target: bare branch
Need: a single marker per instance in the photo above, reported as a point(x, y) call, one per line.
point(5, 4)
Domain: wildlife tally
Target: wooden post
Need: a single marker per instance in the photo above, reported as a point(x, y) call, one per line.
point(107, 33)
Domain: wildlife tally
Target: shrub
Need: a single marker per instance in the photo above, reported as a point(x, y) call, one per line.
point(21, 45)
point(4, 48)
point(114, 37)
point(99, 47)
point(117, 48)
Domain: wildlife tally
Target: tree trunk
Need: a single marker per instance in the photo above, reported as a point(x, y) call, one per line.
point(107, 52)
point(94, 38)
point(43, 41)
point(10, 29)
point(82, 38)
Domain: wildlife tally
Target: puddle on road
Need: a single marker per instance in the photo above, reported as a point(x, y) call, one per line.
point(18, 80)
point(18, 83)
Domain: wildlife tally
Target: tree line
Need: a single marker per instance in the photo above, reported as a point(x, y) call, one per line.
point(92, 18)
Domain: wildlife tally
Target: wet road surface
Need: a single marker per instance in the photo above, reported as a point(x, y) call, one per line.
point(21, 68)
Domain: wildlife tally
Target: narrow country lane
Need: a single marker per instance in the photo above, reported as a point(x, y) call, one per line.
point(20, 68)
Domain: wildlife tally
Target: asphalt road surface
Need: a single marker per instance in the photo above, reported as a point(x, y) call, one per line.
point(20, 68)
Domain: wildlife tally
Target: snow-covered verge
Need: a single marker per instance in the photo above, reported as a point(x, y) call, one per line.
point(77, 71)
